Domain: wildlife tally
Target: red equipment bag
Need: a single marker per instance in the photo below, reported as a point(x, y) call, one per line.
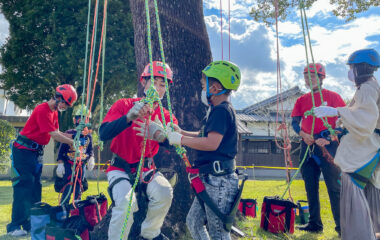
point(88, 213)
point(248, 207)
point(277, 215)
point(54, 232)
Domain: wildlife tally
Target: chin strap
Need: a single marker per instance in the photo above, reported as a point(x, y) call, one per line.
point(209, 95)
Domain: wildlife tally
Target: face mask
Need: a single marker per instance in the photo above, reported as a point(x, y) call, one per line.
point(351, 75)
point(204, 98)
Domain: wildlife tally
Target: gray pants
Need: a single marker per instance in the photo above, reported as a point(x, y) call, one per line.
point(373, 198)
point(355, 212)
point(222, 191)
point(160, 195)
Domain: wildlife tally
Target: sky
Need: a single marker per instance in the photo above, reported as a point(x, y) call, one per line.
point(253, 47)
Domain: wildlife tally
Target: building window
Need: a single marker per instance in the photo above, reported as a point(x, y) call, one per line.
point(257, 147)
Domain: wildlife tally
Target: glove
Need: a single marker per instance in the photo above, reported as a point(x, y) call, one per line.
point(175, 127)
point(133, 113)
point(325, 111)
point(60, 170)
point(154, 126)
point(91, 163)
point(174, 138)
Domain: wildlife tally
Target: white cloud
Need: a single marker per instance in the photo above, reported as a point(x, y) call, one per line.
point(322, 8)
point(289, 28)
point(4, 29)
point(253, 49)
point(238, 8)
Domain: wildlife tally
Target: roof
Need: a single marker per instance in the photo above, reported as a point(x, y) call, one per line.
point(242, 129)
point(254, 137)
point(269, 117)
point(295, 91)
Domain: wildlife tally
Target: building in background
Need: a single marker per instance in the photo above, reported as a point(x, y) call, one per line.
point(257, 135)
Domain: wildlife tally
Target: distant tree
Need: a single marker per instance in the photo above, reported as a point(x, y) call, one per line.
point(46, 47)
point(263, 11)
point(7, 133)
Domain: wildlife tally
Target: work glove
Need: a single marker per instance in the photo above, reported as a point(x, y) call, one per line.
point(325, 111)
point(60, 170)
point(133, 113)
point(173, 137)
point(175, 127)
point(91, 163)
point(155, 132)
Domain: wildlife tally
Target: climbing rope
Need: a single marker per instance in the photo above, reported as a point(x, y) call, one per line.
point(229, 31)
point(101, 112)
point(152, 97)
point(181, 151)
point(82, 127)
point(308, 113)
point(221, 26)
point(283, 127)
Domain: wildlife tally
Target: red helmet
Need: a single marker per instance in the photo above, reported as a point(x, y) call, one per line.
point(67, 92)
point(158, 71)
point(320, 69)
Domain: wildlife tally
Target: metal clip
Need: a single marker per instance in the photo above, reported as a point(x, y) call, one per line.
point(217, 168)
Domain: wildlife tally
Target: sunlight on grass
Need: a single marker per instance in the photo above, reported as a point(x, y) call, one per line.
point(251, 226)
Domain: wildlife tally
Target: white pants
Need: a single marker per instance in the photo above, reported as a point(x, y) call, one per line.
point(160, 195)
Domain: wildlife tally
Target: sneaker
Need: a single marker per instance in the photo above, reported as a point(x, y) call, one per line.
point(18, 233)
point(310, 227)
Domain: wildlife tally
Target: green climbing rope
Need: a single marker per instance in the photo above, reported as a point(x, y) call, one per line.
point(152, 96)
point(81, 125)
point(101, 112)
point(311, 112)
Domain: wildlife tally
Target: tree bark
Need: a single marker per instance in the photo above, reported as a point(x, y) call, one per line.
point(187, 51)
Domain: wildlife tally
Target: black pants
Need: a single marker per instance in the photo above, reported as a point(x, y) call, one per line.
point(311, 170)
point(66, 195)
point(27, 190)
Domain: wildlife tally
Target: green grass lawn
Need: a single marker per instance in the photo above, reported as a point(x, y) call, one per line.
point(251, 226)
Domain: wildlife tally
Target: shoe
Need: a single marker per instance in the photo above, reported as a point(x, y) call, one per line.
point(310, 227)
point(18, 233)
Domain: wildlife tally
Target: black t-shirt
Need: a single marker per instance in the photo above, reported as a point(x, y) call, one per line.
point(222, 119)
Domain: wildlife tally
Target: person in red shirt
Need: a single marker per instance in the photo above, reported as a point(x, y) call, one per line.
point(120, 125)
point(27, 152)
point(317, 160)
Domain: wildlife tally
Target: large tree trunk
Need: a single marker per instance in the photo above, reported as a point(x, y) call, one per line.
point(187, 51)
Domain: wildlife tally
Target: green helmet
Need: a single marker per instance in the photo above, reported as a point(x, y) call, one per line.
point(81, 108)
point(226, 72)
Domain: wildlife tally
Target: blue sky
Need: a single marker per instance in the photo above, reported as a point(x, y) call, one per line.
point(253, 47)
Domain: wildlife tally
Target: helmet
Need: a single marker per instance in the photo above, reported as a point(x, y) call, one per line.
point(68, 93)
point(369, 56)
point(158, 71)
point(81, 109)
point(226, 72)
point(320, 69)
